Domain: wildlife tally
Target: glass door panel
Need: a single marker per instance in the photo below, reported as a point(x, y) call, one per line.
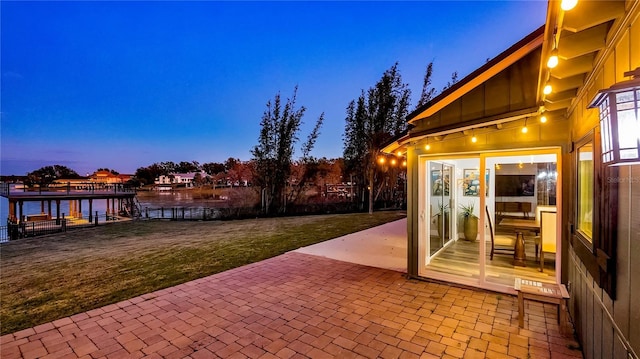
point(452, 255)
point(521, 188)
point(440, 198)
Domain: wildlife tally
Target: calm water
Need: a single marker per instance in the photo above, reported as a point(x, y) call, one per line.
point(153, 199)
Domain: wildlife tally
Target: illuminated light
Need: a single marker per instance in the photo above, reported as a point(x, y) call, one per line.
point(404, 163)
point(381, 160)
point(525, 129)
point(567, 5)
point(547, 89)
point(399, 153)
point(543, 119)
point(393, 162)
point(553, 59)
point(427, 147)
point(474, 139)
point(619, 107)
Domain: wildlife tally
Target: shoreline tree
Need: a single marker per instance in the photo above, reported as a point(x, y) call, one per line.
point(428, 91)
point(376, 117)
point(273, 155)
point(44, 176)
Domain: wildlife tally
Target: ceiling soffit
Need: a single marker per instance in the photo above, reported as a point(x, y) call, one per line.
point(580, 35)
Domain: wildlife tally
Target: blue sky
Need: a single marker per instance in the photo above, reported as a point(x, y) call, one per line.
point(125, 84)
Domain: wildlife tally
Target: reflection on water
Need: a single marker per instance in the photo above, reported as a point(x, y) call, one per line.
point(151, 199)
point(187, 198)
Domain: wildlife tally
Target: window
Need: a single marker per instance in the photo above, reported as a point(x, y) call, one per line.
point(595, 212)
point(585, 177)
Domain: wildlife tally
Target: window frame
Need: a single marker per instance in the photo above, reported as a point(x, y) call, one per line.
point(598, 255)
point(588, 242)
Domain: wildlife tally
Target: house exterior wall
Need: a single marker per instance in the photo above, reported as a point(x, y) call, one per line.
point(606, 327)
point(499, 95)
point(510, 137)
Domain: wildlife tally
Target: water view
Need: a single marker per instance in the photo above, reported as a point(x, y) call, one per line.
point(147, 199)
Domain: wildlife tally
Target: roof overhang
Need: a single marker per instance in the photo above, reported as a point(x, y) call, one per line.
point(479, 76)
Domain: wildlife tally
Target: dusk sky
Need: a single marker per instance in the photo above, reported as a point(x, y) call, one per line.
point(125, 84)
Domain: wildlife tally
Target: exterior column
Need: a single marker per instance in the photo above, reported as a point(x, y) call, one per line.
point(13, 216)
point(41, 207)
point(90, 210)
point(57, 211)
point(49, 209)
point(107, 206)
point(20, 219)
point(79, 208)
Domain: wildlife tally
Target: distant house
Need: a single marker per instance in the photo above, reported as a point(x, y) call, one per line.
point(185, 179)
point(109, 177)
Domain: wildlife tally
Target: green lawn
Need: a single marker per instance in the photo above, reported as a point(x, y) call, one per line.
point(47, 278)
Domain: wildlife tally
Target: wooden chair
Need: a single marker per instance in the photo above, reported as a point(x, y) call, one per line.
point(494, 248)
point(538, 237)
point(548, 236)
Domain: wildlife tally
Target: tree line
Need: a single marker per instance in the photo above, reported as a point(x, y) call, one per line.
point(372, 119)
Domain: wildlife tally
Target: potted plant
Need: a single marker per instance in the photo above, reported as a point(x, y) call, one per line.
point(469, 221)
point(443, 220)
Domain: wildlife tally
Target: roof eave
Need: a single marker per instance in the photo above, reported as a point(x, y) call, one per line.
point(481, 75)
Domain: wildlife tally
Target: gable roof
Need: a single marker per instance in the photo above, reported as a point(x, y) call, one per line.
point(508, 57)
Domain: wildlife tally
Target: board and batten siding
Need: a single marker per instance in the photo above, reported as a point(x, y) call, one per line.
point(609, 328)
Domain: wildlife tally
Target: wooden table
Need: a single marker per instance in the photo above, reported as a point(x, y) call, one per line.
point(542, 292)
point(520, 226)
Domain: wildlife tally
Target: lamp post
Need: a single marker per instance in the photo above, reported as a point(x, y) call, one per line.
point(619, 107)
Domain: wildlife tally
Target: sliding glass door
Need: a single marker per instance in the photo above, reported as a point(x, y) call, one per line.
point(441, 201)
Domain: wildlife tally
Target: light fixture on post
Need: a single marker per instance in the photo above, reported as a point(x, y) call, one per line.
point(619, 107)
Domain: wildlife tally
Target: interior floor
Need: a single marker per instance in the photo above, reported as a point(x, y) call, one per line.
point(461, 258)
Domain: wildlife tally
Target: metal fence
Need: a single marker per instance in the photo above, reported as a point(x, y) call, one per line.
point(26, 229)
point(204, 214)
point(196, 213)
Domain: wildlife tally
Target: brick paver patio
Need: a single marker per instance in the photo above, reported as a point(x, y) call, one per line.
point(298, 306)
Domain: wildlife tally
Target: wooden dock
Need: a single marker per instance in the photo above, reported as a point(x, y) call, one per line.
point(119, 198)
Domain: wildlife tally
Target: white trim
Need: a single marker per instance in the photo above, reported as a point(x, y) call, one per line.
point(423, 217)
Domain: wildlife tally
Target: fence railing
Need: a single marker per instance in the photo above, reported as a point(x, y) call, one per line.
point(13, 231)
point(197, 213)
point(7, 189)
point(204, 214)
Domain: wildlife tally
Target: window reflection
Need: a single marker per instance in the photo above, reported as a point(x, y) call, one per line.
point(585, 191)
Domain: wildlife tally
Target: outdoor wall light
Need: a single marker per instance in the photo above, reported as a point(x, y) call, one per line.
point(474, 139)
point(619, 107)
point(393, 162)
point(547, 89)
point(543, 119)
point(427, 147)
point(567, 5)
point(381, 160)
